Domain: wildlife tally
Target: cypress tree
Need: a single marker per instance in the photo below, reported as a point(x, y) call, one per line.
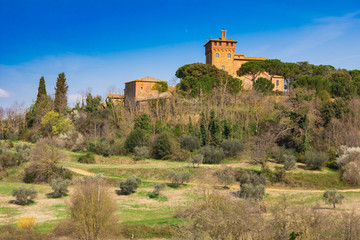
point(60, 102)
point(41, 90)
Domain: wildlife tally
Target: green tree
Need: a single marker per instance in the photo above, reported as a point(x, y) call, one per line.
point(333, 197)
point(54, 124)
point(60, 102)
point(41, 90)
point(253, 68)
point(160, 87)
point(263, 85)
point(214, 129)
point(161, 147)
point(143, 122)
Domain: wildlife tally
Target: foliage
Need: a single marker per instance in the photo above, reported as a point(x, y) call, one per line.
point(160, 87)
point(315, 160)
point(43, 165)
point(190, 143)
point(60, 102)
point(161, 147)
point(225, 177)
point(179, 178)
point(289, 161)
point(24, 195)
point(232, 147)
point(252, 68)
point(252, 186)
point(54, 124)
point(142, 122)
point(26, 222)
point(334, 109)
point(333, 197)
point(214, 129)
point(212, 155)
point(88, 158)
point(129, 185)
point(92, 209)
point(60, 187)
point(141, 153)
point(263, 85)
point(136, 138)
point(196, 159)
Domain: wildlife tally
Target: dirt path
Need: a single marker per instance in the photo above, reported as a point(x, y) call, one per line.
point(86, 173)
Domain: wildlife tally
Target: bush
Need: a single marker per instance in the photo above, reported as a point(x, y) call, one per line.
point(92, 209)
point(196, 159)
point(141, 153)
point(179, 178)
point(180, 155)
point(87, 158)
point(252, 186)
point(26, 222)
point(316, 160)
point(351, 173)
point(333, 197)
point(142, 122)
point(232, 147)
point(212, 154)
point(43, 165)
point(189, 143)
point(289, 161)
point(158, 187)
point(136, 138)
point(263, 85)
point(102, 148)
point(10, 232)
point(23, 152)
point(129, 185)
point(60, 187)
point(24, 195)
point(225, 177)
point(161, 147)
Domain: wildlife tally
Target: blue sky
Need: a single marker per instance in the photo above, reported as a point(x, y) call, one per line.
point(102, 44)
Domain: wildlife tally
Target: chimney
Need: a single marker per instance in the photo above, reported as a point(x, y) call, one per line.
point(223, 34)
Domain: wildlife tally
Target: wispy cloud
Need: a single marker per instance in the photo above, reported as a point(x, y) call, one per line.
point(4, 94)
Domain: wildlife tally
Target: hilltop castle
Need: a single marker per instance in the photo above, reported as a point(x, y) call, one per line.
point(220, 52)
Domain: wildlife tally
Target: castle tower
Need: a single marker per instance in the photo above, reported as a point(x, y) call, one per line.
point(220, 52)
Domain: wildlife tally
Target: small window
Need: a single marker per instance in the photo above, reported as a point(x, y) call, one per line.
point(217, 55)
point(232, 44)
point(223, 67)
point(277, 83)
point(219, 43)
point(215, 43)
point(227, 44)
point(229, 55)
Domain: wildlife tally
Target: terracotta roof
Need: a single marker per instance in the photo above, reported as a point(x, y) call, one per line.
point(146, 79)
point(255, 58)
point(115, 96)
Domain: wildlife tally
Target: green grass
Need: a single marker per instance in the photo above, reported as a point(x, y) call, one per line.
point(326, 180)
point(6, 188)
point(6, 212)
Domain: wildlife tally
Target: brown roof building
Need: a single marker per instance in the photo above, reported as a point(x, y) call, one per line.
point(220, 52)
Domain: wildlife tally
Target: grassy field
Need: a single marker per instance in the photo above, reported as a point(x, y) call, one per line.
point(303, 187)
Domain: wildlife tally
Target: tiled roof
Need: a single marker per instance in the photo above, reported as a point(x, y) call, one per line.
point(146, 79)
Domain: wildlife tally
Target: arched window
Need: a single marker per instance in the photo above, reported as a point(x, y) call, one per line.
point(217, 55)
point(223, 67)
point(229, 55)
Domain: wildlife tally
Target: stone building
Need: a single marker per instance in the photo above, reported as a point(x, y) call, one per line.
point(220, 52)
point(140, 91)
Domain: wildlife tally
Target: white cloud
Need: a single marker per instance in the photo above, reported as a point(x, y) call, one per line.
point(4, 94)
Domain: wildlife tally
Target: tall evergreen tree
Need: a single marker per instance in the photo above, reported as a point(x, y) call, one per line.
point(60, 102)
point(41, 90)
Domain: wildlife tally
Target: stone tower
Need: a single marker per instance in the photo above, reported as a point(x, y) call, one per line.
point(220, 53)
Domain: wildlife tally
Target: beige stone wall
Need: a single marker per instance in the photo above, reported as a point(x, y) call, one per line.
point(144, 90)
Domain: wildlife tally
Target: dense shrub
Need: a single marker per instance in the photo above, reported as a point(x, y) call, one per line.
point(43, 165)
point(136, 138)
point(102, 148)
point(190, 143)
point(196, 159)
point(212, 154)
point(129, 185)
point(263, 85)
point(315, 160)
point(232, 147)
point(289, 161)
point(252, 186)
point(333, 197)
point(351, 173)
point(225, 177)
point(180, 155)
point(10, 232)
point(161, 147)
point(87, 158)
point(23, 152)
point(142, 122)
point(60, 187)
point(92, 210)
point(26, 222)
point(179, 178)
point(24, 195)
point(156, 192)
point(141, 153)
